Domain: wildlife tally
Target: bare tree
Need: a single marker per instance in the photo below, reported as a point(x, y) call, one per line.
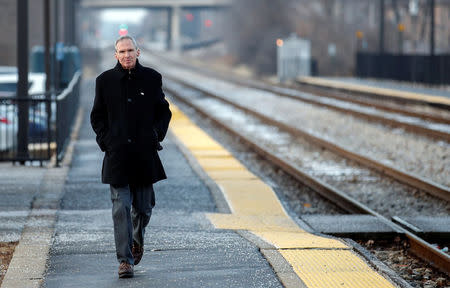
point(254, 27)
point(256, 24)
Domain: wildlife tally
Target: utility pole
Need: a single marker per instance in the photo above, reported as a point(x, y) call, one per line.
point(400, 26)
point(432, 28)
point(381, 37)
point(47, 43)
point(22, 85)
point(56, 32)
point(47, 68)
point(414, 11)
point(69, 10)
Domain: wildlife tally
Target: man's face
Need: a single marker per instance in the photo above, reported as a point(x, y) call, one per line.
point(126, 53)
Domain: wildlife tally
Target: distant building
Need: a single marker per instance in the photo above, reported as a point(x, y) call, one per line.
point(8, 22)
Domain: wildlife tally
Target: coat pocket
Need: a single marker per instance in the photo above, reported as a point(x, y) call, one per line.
point(107, 141)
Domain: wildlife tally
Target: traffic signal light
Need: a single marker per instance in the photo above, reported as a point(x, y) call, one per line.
point(123, 29)
point(208, 23)
point(189, 17)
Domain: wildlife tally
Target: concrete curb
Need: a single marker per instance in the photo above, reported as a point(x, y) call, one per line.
point(29, 262)
point(280, 266)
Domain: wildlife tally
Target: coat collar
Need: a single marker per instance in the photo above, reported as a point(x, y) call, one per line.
point(136, 71)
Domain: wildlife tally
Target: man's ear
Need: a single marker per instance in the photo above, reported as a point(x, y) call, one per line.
point(138, 52)
point(115, 55)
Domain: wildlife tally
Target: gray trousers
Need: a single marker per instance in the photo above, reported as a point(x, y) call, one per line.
point(129, 224)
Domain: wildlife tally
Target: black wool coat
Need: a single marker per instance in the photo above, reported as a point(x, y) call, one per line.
point(130, 116)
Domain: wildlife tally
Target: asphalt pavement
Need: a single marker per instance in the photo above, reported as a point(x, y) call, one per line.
point(19, 186)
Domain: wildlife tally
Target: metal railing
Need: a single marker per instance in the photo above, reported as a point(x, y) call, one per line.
point(49, 124)
point(66, 110)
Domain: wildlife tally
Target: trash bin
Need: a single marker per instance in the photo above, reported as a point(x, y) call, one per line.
point(37, 59)
point(70, 63)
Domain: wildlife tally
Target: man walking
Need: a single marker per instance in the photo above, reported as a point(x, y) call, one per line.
point(130, 116)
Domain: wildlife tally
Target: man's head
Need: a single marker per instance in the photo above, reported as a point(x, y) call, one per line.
point(126, 51)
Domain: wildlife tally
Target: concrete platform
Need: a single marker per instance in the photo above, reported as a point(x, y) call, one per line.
point(382, 88)
point(182, 247)
point(222, 227)
point(433, 229)
point(429, 224)
point(394, 85)
point(349, 225)
point(316, 260)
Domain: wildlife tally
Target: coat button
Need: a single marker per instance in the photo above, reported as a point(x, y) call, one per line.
point(129, 140)
point(129, 100)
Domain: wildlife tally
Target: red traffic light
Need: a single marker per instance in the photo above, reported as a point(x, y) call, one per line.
point(123, 29)
point(208, 23)
point(189, 17)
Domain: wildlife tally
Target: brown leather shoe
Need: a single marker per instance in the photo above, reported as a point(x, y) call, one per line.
point(125, 270)
point(137, 252)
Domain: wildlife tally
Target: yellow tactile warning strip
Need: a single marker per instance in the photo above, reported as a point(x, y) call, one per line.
point(318, 261)
point(376, 90)
point(332, 269)
point(254, 223)
point(296, 239)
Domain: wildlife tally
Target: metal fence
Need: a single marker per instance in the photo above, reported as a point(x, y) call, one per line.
point(411, 68)
point(49, 124)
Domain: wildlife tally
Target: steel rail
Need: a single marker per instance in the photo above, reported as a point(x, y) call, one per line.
point(431, 187)
point(418, 246)
point(297, 95)
point(441, 135)
point(335, 94)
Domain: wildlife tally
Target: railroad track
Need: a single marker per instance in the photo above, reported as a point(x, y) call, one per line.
point(421, 183)
point(423, 123)
point(193, 96)
point(424, 183)
point(385, 103)
point(420, 122)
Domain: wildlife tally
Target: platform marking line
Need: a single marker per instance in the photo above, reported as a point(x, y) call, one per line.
point(318, 261)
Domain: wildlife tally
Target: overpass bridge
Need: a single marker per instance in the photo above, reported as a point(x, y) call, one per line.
point(173, 6)
point(154, 3)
